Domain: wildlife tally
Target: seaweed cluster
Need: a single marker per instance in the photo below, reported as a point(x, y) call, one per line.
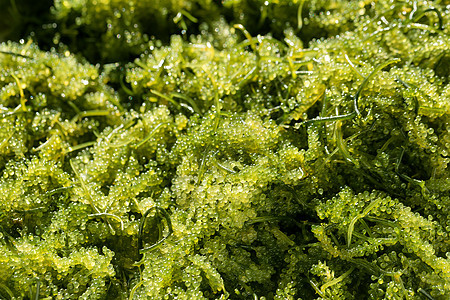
point(236, 149)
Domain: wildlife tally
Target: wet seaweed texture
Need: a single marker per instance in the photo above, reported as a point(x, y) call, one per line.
point(235, 149)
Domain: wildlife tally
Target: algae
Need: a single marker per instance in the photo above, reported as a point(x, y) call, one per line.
point(237, 149)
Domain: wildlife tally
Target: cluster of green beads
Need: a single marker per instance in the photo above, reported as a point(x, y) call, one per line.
point(236, 149)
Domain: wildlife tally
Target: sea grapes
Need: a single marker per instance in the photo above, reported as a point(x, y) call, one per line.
point(239, 149)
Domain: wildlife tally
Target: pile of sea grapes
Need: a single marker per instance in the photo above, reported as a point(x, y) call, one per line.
point(235, 149)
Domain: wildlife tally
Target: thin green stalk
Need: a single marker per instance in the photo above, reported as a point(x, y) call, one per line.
point(188, 100)
point(353, 66)
point(149, 135)
point(433, 9)
point(22, 95)
point(91, 113)
point(165, 214)
point(15, 54)
point(134, 289)
point(299, 15)
point(330, 119)
point(426, 294)
point(7, 290)
point(176, 104)
point(220, 166)
point(336, 280)
point(247, 35)
point(359, 216)
point(81, 146)
point(84, 187)
point(104, 214)
point(367, 79)
point(201, 171)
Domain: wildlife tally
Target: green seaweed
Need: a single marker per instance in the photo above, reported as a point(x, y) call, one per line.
point(240, 149)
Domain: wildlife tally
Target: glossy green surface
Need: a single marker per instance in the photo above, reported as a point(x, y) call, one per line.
point(238, 149)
